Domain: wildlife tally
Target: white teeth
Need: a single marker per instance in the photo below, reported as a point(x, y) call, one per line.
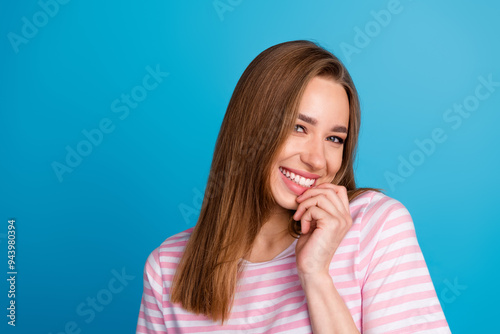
point(304, 182)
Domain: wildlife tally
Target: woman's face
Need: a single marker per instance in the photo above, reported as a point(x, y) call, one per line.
point(313, 150)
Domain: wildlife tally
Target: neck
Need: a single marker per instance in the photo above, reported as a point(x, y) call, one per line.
point(273, 237)
point(275, 229)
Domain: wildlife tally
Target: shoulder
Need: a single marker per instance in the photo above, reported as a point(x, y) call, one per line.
point(176, 241)
point(375, 209)
point(168, 254)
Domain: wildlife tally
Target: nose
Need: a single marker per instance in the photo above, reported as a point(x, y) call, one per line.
point(313, 154)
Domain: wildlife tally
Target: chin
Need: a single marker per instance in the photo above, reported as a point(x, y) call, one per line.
point(290, 205)
point(285, 200)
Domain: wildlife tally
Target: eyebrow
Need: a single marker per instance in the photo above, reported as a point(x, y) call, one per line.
point(314, 121)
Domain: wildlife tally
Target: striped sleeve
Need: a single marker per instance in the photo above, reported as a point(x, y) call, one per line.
point(398, 295)
point(151, 319)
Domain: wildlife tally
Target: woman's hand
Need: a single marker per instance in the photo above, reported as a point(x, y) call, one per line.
point(325, 220)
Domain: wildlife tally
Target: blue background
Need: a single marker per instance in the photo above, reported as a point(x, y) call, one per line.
point(125, 197)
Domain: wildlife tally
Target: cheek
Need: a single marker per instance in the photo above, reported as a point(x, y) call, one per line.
point(288, 150)
point(335, 162)
point(289, 147)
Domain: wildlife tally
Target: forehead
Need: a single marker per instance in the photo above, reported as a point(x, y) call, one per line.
point(325, 100)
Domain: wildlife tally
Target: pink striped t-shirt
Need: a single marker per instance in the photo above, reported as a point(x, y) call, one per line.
point(378, 270)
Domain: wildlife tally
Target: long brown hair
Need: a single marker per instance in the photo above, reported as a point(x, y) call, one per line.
point(261, 114)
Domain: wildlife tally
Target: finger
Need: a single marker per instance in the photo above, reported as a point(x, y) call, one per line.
point(320, 200)
point(311, 218)
point(341, 192)
point(330, 193)
point(311, 191)
point(304, 227)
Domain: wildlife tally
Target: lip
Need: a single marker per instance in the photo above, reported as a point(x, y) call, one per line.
point(302, 173)
point(297, 189)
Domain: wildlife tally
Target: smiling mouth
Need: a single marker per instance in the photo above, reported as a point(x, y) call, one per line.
point(300, 180)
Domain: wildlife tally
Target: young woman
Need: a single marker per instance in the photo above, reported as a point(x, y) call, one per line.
point(285, 242)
